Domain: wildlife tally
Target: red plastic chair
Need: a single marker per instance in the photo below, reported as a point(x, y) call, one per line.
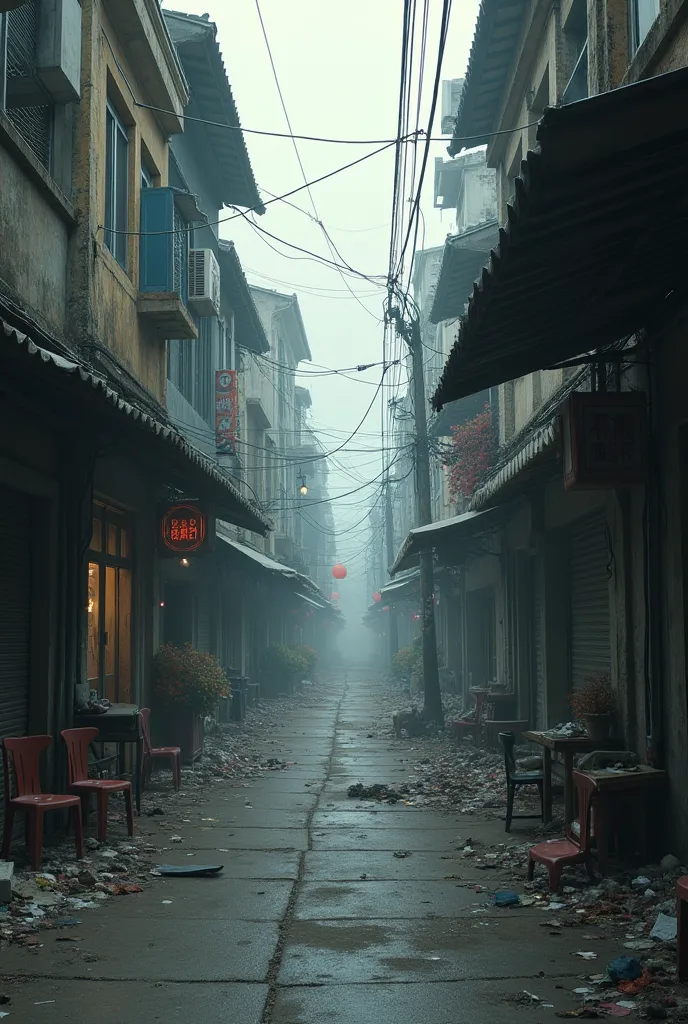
point(21, 757)
point(556, 854)
point(150, 753)
point(78, 741)
point(472, 722)
point(682, 922)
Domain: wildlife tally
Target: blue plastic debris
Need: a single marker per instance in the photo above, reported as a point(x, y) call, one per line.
point(507, 898)
point(624, 969)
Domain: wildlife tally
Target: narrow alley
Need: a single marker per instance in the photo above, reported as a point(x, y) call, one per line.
point(329, 909)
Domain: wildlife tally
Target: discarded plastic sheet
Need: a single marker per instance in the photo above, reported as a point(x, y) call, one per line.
point(665, 928)
point(642, 944)
point(633, 988)
point(615, 1010)
point(189, 870)
point(585, 954)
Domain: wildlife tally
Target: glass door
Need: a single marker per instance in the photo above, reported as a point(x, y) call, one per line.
point(110, 605)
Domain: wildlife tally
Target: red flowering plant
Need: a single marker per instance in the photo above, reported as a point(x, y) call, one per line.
point(191, 678)
point(471, 455)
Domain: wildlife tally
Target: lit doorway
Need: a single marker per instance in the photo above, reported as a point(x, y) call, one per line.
point(110, 605)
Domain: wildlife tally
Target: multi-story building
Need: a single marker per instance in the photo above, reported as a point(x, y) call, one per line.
point(89, 452)
point(572, 554)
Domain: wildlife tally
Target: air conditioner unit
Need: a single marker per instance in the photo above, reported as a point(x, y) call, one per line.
point(204, 282)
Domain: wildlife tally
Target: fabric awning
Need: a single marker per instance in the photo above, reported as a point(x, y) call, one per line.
point(443, 536)
point(593, 244)
point(179, 462)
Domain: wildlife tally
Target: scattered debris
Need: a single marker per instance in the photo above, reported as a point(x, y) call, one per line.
point(402, 854)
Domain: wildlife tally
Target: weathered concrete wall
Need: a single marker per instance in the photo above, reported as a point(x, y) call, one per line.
point(673, 421)
point(35, 238)
point(103, 295)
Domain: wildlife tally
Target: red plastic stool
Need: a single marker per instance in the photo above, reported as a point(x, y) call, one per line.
point(682, 923)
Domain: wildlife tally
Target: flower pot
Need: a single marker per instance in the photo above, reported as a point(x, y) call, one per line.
point(598, 726)
point(178, 726)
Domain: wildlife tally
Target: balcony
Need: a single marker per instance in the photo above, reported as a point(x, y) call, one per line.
point(164, 261)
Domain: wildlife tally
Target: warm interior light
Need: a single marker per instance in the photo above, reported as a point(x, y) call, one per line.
point(303, 489)
point(184, 562)
point(162, 604)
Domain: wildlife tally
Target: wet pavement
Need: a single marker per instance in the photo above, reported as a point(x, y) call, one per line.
point(329, 910)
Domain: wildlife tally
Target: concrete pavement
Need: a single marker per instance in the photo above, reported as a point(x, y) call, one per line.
point(314, 919)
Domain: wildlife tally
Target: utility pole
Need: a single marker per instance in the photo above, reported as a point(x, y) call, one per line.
point(432, 705)
point(389, 530)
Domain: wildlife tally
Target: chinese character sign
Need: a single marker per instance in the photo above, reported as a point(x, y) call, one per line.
point(226, 410)
point(605, 439)
point(183, 528)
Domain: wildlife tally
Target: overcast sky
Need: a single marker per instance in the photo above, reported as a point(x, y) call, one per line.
point(338, 67)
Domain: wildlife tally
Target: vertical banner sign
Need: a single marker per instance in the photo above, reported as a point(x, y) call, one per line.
point(226, 411)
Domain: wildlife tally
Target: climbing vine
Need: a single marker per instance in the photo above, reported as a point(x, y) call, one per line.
point(471, 454)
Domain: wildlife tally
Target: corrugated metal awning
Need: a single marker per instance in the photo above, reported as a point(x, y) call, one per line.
point(462, 261)
point(179, 462)
point(404, 586)
point(593, 244)
point(443, 536)
point(528, 458)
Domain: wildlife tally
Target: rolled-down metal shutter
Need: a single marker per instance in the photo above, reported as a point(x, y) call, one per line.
point(15, 613)
point(589, 588)
point(539, 647)
point(204, 622)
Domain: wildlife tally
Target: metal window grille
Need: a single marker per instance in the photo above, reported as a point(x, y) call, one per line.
point(116, 186)
point(204, 368)
point(181, 255)
point(34, 123)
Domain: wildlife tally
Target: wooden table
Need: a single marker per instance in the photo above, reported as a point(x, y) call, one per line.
point(569, 746)
point(120, 724)
point(611, 782)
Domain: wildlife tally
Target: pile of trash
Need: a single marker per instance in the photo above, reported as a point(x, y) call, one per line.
point(52, 897)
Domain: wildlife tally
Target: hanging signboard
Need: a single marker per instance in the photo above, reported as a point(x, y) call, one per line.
point(604, 437)
point(186, 528)
point(226, 411)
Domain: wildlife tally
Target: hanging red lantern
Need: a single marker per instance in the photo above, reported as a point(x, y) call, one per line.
point(334, 596)
point(339, 571)
point(377, 597)
point(415, 616)
point(386, 608)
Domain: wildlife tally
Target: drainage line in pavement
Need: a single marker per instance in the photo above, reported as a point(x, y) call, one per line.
point(285, 924)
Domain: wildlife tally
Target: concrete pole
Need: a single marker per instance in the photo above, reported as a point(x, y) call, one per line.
point(389, 531)
point(432, 707)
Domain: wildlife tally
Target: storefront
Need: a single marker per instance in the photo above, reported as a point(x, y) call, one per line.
point(589, 578)
point(110, 604)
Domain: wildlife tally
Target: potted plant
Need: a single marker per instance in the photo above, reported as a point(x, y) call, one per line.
point(310, 656)
point(594, 704)
point(188, 685)
point(282, 667)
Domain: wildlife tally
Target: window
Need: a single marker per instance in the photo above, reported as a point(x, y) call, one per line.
point(576, 51)
point(26, 104)
point(116, 186)
point(110, 605)
point(643, 16)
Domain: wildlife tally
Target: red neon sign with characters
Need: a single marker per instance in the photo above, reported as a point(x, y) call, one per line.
point(183, 528)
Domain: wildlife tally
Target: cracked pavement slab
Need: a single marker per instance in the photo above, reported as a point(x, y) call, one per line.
point(313, 920)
